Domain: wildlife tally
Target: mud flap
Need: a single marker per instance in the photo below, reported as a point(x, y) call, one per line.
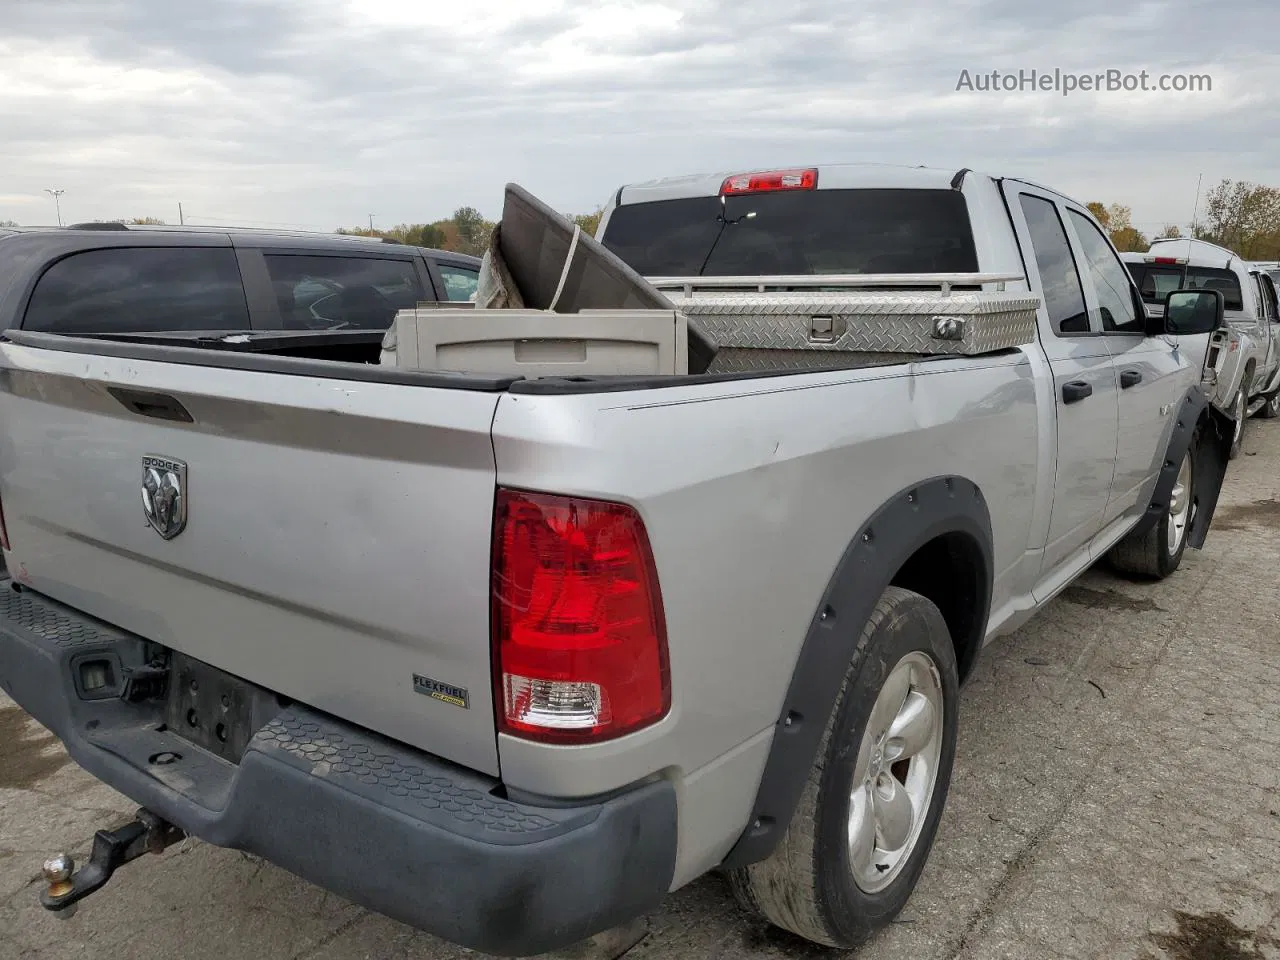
point(1208, 472)
point(1209, 467)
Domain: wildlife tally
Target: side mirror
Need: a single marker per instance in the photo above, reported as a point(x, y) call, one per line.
point(1190, 312)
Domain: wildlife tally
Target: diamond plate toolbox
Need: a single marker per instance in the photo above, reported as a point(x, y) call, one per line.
point(760, 330)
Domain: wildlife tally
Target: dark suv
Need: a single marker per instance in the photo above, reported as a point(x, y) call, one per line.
point(116, 279)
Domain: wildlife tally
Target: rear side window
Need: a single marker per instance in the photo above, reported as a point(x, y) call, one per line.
point(140, 290)
point(1266, 297)
point(1059, 279)
point(335, 293)
point(796, 233)
point(459, 282)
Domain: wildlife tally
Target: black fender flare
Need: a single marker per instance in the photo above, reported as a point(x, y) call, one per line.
point(913, 517)
point(1209, 468)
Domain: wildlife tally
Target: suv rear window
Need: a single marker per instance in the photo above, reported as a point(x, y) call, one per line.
point(796, 233)
point(140, 290)
point(1156, 280)
point(336, 292)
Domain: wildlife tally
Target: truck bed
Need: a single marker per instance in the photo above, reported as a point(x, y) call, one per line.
point(338, 539)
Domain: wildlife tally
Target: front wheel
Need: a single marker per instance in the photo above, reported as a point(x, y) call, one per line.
point(1158, 552)
point(866, 821)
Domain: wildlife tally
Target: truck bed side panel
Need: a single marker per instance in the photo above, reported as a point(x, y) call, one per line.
point(751, 491)
point(337, 540)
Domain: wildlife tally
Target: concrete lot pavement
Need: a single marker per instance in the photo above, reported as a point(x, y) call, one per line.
point(1116, 794)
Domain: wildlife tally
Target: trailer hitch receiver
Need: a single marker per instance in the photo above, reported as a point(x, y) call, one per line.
point(65, 887)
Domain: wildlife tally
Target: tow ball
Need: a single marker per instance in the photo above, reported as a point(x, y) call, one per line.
point(66, 887)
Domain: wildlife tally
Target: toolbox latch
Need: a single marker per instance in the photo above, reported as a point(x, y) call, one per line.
point(825, 329)
point(949, 328)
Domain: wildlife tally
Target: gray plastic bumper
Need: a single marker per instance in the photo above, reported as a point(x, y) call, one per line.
point(394, 829)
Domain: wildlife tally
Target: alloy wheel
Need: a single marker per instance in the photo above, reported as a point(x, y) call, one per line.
point(896, 771)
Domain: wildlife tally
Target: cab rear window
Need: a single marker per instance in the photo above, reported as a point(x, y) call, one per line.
point(1156, 280)
point(796, 233)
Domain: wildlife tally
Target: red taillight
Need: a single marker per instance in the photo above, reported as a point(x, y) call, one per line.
point(580, 641)
point(1168, 259)
point(770, 182)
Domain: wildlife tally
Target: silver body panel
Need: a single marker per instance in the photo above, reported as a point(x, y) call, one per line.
point(758, 488)
point(338, 533)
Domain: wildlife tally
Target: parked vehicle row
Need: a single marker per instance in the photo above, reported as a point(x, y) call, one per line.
point(115, 279)
point(510, 659)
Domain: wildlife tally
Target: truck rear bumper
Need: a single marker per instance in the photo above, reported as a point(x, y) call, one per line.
point(394, 829)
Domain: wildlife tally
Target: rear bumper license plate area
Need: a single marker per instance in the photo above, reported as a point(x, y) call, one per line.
point(214, 710)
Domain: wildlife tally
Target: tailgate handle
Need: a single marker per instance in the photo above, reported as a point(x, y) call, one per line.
point(145, 403)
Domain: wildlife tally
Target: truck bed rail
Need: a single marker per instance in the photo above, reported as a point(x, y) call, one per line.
point(843, 281)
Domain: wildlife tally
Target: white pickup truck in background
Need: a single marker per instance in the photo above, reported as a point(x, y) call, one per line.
point(1246, 355)
point(510, 658)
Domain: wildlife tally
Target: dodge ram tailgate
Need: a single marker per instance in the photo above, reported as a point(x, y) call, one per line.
point(325, 536)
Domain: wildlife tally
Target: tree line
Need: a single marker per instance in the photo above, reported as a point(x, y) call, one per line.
point(1241, 216)
point(467, 231)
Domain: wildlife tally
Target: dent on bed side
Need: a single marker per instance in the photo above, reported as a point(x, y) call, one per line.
point(933, 537)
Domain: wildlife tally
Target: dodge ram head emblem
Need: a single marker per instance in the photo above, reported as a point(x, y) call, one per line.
point(164, 495)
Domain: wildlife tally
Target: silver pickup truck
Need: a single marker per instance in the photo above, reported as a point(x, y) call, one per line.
point(510, 659)
point(1245, 354)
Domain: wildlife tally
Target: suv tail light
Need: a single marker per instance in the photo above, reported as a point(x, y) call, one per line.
point(769, 182)
point(580, 642)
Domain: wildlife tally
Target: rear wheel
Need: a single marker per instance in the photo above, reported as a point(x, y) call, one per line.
point(1271, 409)
point(1158, 552)
point(866, 821)
point(1239, 409)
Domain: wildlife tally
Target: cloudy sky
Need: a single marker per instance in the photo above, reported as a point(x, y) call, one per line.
point(316, 113)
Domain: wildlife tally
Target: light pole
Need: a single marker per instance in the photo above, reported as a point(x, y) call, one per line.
point(57, 199)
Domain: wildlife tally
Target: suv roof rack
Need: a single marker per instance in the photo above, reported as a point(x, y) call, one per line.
point(98, 225)
point(267, 231)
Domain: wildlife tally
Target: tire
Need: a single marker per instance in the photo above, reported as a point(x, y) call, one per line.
point(1271, 409)
point(1157, 553)
point(1241, 409)
point(808, 885)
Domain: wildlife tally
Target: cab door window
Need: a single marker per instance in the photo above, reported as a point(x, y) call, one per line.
point(1116, 310)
